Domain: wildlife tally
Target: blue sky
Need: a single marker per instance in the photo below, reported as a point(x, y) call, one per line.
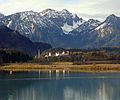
point(98, 9)
point(71, 1)
point(3, 1)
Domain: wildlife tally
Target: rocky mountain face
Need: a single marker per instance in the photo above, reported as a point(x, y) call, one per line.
point(86, 27)
point(108, 33)
point(13, 40)
point(1, 15)
point(82, 35)
point(64, 19)
point(64, 29)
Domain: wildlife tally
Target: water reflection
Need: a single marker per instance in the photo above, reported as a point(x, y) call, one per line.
point(39, 73)
point(103, 92)
point(85, 88)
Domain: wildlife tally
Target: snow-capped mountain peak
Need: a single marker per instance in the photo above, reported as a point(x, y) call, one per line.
point(110, 20)
point(65, 11)
point(111, 24)
point(64, 19)
point(48, 12)
point(94, 22)
point(51, 13)
point(86, 26)
point(112, 16)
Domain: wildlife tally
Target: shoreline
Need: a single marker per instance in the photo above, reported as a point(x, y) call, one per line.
point(92, 68)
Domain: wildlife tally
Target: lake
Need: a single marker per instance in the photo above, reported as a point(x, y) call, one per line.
point(59, 86)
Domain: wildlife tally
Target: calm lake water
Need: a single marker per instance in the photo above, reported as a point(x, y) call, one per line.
point(60, 86)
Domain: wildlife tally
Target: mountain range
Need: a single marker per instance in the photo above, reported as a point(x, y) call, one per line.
point(64, 29)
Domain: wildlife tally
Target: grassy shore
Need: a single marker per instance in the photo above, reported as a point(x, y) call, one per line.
point(61, 66)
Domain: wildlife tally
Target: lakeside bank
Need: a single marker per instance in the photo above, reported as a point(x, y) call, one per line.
point(24, 67)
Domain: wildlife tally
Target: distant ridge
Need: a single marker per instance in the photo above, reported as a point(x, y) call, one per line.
point(13, 40)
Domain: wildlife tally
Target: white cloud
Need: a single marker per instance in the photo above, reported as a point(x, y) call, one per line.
point(12, 6)
point(87, 8)
point(96, 8)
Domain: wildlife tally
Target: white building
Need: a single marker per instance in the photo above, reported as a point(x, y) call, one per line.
point(49, 54)
point(63, 53)
point(57, 54)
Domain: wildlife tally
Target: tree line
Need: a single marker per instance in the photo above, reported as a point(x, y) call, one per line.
point(12, 56)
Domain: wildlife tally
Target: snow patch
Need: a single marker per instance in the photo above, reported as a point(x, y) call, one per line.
point(104, 32)
point(68, 28)
point(10, 22)
point(101, 26)
point(74, 16)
